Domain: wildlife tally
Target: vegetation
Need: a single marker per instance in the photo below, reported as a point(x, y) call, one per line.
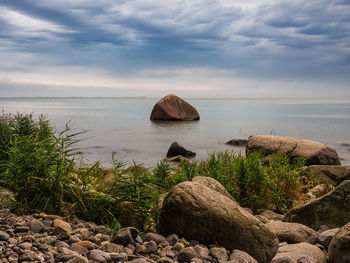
point(37, 164)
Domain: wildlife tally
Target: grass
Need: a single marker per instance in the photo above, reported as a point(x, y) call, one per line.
point(37, 165)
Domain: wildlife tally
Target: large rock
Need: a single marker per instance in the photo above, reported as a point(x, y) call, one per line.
point(332, 209)
point(197, 212)
point(336, 173)
point(314, 152)
point(212, 184)
point(339, 248)
point(292, 253)
point(173, 108)
point(292, 232)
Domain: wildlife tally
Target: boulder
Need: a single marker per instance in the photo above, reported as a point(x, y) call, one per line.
point(331, 209)
point(339, 248)
point(237, 142)
point(197, 212)
point(177, 149)
point(314, 152)
point(173, 108)
point(212, 184)
point(125, 236)
point(326, 236)
point(271, 215)
point(292, 253)
point(336, 173)
point(292, 232)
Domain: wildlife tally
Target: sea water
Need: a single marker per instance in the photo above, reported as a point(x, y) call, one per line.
point(121, 126)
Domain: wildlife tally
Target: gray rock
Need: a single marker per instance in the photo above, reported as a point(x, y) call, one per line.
point(36, 226)
point(292, 232)
point(74, 238)
point(111, 247)
point(292, 253)
point(79, 249)
point(172, 239)
point(59, 223)
point(25, 245)
point(314, 152)
point(202, 252)
point(151, 247)
point(186, 254)
point(271, 215)
point(195, 211)
point(238, 256)
point(339, 248)
point(159, 239)
point(126, 236)
point(177, 149)
point(99, 256)
point(78, 259)
point(332, 209)
point(219, 253)
point(4, 236)
point(326, 236)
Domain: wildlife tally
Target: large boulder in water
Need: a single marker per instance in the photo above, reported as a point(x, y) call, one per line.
point(197, 212)
point(331, 209)
point(314, 152)
point(173, 108)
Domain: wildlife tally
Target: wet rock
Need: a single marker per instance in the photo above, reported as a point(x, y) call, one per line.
point(126, 236)
point(292, 232)
point(177, 149)
point(238, 256)
point(332, 209)
point(314, 152)
point(173, 108)
point(195, 211)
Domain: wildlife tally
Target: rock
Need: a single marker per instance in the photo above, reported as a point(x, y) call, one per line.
point(314, 152)
point(25, 245)
point(271, 215)
point(4, 236)
point(212, 184)
point(79, 249)
point(195, 211)
point(307, 259)
point(238, 256)
point(126, 236)
point(176, 159)
point(172, 239)
point(21, 229)
point(87, 244)
point(237, 142)
point(58, 223)
point(326, 236)
point(292, 253)
point(151, 247)
point(74, 239)
point(111, 247)
point(336, 173)
point(177, 149)
point(84, 232)
point(165, 260)
point(140, 249)
point(78, 259)
point(262, 219)
point(219, 253)
point(339, 248)
point(139, 260)
point(318, 190)
point(292, 232)
point(332, 209)
point(186, 254)
point(173, 108)
point(99, 256)
point(159, 239)
point(36, 226)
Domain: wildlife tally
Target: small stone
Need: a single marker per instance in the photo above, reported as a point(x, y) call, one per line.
point(126, 236)
point(172, 239)
point(78, 259)
point(36, 226)
point(84, 232)
point(25, 245)
point(86, 244)
point(202, 252)
point(196, 260)
point(99, 256)
point(185, 242)
point(21, 229)
point(111, 247)
point(29, 238)
point(179, 246)
point(122, 257)
point(79, 249)
point(165, 260)
point(239, 256)
point(186, 254)
point(139, 260)
point(128, 251)
point(151, 247)
point(326, 236)
point(58, 223)
point(4, 236)
point(74, 238)
point(159, 239)
point(140, 249)
point(220, 254)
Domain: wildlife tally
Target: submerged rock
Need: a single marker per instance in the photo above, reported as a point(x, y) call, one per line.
point(197, 212)
point(332, 209)
point(173, 108)
point(177, 149)
point(314, 152)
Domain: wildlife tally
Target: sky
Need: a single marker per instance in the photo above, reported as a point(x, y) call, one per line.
point(197, 48)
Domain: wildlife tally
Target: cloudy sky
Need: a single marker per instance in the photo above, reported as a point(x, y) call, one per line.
point(197, 48)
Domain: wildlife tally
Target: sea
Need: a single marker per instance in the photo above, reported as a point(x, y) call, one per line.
point(121, 127)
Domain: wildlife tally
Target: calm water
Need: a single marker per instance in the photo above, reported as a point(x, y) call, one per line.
point(122, 125)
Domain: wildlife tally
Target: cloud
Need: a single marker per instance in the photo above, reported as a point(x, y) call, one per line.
point(273, 40)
